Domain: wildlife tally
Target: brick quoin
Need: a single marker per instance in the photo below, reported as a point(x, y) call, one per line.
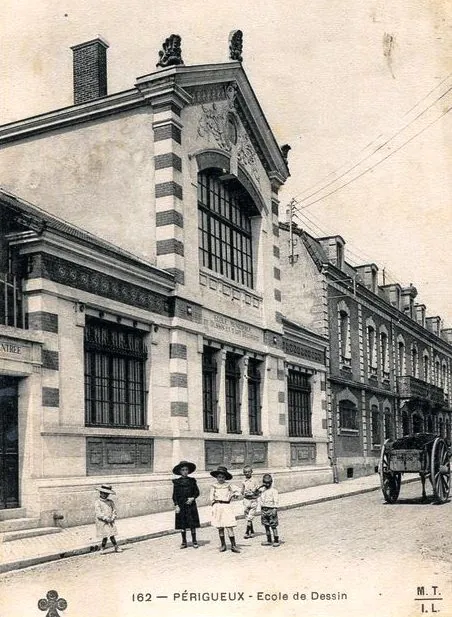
point(178, 350)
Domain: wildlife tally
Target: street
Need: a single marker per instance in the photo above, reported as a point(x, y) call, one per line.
point(370, 558)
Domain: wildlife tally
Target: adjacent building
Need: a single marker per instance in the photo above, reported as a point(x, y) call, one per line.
point(141, 315)
point(389, 365)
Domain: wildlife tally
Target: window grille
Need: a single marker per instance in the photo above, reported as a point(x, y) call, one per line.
point(209, 390)
point(115, 360)
point(224, 226)
point(254, 397)
point(299, 394)
point(232, 375)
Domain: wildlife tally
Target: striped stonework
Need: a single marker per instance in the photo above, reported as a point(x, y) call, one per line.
point(178, 374)
point(168, 190)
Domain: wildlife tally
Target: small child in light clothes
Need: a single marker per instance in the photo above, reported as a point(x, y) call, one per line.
point(269, 510)
point(223, 516)
point(250, 492)
point(105, 518)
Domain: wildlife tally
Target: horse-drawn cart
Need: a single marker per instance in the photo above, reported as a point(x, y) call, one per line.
point(422, 453)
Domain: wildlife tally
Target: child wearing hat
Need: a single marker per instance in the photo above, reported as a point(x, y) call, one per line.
point(185, 491)
point(250, 492)
point(105, 511)
point(269, 509)
point(223, 517)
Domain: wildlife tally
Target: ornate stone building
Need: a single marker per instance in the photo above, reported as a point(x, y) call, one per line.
point(142, 319)
point(389, 365)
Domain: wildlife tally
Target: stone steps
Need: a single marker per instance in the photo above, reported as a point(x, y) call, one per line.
point(18, 524)
point(9, 513)
point(10, 536)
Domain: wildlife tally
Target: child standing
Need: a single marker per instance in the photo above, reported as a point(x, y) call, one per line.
point(223, 516)
point(105, 517)
point(269, 510)
point(185, 491)
point(250, 492)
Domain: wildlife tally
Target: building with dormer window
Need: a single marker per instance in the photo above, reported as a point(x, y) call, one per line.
point(389, 366)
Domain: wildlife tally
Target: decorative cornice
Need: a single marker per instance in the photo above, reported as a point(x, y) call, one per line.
point(92, 281)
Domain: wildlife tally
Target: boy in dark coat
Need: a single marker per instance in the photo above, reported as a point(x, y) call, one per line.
point(185, 491)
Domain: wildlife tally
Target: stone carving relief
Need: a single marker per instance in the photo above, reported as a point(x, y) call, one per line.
point(236, 45)
point(219, 122)
point(171, 52)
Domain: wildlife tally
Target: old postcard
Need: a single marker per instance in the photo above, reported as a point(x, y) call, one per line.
point(225, 308)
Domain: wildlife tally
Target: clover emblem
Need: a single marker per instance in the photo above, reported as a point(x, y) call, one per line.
point(52, 604)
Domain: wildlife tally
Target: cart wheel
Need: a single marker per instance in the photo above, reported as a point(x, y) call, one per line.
point(440, 470)
point(390, 481)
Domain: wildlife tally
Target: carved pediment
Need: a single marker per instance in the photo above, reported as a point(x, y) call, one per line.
point(220, 123)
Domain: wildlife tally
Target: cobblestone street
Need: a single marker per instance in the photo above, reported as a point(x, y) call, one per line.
point(376, 554)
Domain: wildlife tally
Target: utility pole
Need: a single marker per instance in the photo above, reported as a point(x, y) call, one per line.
point(290, 213)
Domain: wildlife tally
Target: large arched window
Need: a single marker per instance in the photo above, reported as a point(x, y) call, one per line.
point(224, 222)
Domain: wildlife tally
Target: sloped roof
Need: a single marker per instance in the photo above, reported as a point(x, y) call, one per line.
point(40, 220)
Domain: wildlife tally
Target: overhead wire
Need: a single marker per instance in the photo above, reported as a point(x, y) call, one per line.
point(386, 142)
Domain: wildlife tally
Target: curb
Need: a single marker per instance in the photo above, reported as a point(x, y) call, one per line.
point(93, 548)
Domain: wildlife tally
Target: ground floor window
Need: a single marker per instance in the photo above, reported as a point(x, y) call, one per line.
point(299, 399)
point(389, 425)
point(209, 390)
point(115, 359)
point(348, 416)
point(232, 382)
point(254, 397)
point(375, 419)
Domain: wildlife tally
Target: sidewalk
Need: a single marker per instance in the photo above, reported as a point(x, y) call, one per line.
point(73, 541)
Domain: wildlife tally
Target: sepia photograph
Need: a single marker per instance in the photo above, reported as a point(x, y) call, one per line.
point(225, 308)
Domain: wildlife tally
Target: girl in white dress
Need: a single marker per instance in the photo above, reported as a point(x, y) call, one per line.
point(221, 495)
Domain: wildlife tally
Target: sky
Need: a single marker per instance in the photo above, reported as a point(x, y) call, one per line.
point(337, 79)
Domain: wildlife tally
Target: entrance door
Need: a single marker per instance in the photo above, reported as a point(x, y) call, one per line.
point(9, 444)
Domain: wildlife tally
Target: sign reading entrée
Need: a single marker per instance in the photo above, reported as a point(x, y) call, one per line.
point(226, 325)
point(14, 349)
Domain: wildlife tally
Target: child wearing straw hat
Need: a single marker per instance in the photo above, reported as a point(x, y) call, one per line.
point(185, 492)
point(223, 517)
point(105, 518)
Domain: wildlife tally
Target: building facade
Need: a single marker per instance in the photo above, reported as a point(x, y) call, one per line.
point(389, 365)
point(143, 320)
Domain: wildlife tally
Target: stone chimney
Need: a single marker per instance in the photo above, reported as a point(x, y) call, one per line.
point(393, 294)
point(369, 276)
point(334, 249)
point(446, 334)
point(419, 310)
point(90, 70)
point(434, 324)
point(408, 295)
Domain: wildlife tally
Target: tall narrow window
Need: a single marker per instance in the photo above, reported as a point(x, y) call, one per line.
point(414, 361)
point(224, 225)
point(254, 397)
point(299, 394)
point(371, 355)
point(426, 367)
point(437, 373)
point(389, 425)
point(209, 390)
point(232, 374)
point(401, 358)
point(376, 426)
point(115, 358)
point(344, 336)
point(384, 355)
